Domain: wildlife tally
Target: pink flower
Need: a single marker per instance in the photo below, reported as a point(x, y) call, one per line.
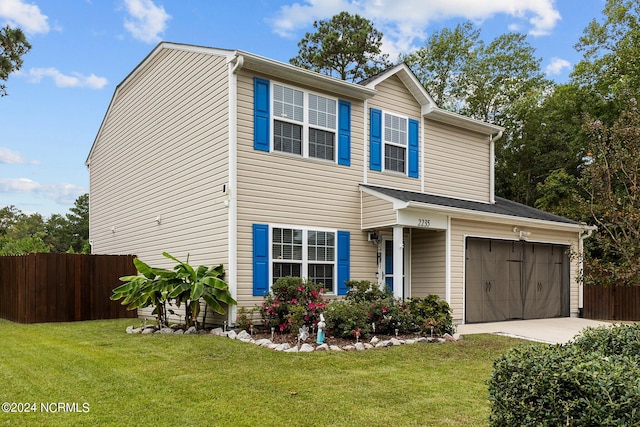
point(384, 309)
point(300, 289)
point(312, 305)
point(294, 300)
point(314, 293)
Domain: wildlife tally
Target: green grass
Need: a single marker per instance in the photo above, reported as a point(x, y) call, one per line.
point(202, 380)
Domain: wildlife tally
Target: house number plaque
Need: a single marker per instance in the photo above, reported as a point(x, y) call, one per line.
point(424, 222)
point(420, 219)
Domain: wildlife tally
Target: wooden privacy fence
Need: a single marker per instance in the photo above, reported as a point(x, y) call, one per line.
point(611, 303)
point(62, 287)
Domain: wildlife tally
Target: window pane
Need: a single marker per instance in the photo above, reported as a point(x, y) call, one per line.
point(286, 244)
point(395, 129)
point(288, 103)
point(321, 144)
point(322, 273)
point(287, 137)
point(394, 158)
point(322, 111)
point(286, 269)
point(321, 246)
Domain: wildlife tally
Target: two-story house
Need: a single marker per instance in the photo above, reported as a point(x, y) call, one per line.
point(273, 170)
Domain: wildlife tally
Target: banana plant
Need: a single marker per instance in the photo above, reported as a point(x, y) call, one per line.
point(158, 287)
point(150, 288)
point(199, 283)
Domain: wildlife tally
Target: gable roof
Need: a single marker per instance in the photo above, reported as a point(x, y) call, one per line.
point(241, 59)
point(428, 105)
point(501, 207)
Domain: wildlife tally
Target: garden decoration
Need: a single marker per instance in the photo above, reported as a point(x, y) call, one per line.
point(321, 326)
point(303, 333)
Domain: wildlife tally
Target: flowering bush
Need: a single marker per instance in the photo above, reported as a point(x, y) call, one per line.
point(431, 311)
point(344, 317)
point(390, 314)
point(291, 303)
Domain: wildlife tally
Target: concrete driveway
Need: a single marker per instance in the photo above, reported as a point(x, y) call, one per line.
point(553, 331)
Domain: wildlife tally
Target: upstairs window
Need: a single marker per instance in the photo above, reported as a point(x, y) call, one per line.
point(304, 123)
point(298, 122)
point(395, 143)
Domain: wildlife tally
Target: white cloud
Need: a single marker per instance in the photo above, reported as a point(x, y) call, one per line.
point(26, 16)
point(63, 80)
point(403, 22)
point(146, 21)
point(556, 66)
point(10, 157)
point(62, 193)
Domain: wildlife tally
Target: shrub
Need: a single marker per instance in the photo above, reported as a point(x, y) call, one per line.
point(291, 303)
point(623, 340)
point(432, 311)
point(390, 314)
point(541, 385)
point(343, 317)
point(364, 290)
point(244, 318)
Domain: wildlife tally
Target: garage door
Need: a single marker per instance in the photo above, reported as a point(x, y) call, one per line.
point(515, 280)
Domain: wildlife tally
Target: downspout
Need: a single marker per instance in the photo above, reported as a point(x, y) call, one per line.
point(232, 196)
point(492, 166)
point(583, 234)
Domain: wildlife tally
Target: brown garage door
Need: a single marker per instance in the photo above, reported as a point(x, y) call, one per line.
point(515, 280)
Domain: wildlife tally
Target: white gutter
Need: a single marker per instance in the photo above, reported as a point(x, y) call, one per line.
point(232, 191)
point(492, 166)
point(584, 234)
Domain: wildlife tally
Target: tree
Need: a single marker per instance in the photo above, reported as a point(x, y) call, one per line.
point(611, 50)
point(441, 62)
point(551, 137)
point(70, 233)
point(499, 82)
point(611, 179)
point(347, 47)
point(13, 46)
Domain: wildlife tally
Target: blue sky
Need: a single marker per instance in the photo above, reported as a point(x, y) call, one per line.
point(83, 48)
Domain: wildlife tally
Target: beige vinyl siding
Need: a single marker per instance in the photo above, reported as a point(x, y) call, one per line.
point(377, 212)
point(394, 97)
point(428, 264)
point(163, 151)
point(457, 162)
point(276, 188)
point(460, 229)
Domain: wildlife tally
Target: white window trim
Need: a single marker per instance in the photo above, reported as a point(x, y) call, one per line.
point(305, 253)
point(385, 142)
point(305, 123)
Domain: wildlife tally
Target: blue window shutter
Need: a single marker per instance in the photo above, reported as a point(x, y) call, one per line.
point(414, 150)
point(344, 133)
point(375, 140)
point(260, 259)
point(261, 114)
point(344, 260)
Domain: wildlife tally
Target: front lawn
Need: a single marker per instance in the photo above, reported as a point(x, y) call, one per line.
point(103, 376)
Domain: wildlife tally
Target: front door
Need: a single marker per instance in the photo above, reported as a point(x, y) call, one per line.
point(389, 277)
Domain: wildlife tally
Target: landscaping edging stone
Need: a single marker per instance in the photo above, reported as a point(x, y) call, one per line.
point(305, 347)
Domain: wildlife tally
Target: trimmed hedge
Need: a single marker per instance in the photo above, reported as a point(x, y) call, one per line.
point(593, 381)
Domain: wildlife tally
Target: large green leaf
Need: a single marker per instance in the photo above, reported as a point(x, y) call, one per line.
point(144, 268)
point(196, 290)
point(215, 282)
point(213, 304)
point(223, 296)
